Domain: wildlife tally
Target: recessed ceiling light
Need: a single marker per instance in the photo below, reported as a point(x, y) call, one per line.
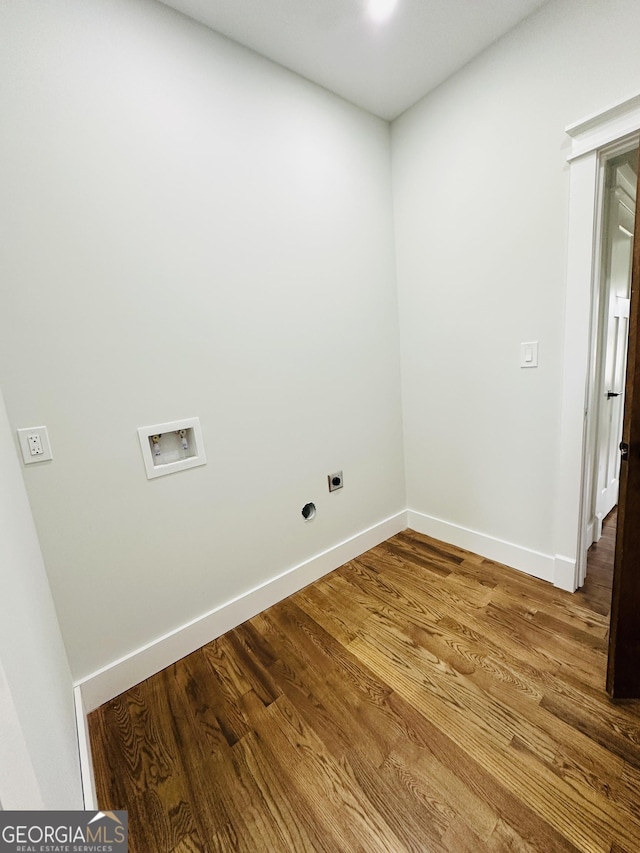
point(380, 10)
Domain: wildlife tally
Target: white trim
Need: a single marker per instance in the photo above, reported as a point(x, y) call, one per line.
point(564, 573)
point(581, 271)
point(601, 129)
point(120, 675)
point(84, 750)
point(526, 560)
point(586, 530)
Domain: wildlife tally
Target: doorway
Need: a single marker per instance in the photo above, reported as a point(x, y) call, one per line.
point(594, 142)
point(610, 322)
point(603, 213)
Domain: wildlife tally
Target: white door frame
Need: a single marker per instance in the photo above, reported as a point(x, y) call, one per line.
point(615, 204)
point(593, 140)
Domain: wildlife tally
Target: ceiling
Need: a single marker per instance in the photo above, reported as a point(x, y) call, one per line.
point(383, 67)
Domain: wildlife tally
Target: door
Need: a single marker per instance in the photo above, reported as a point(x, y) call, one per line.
point(623, 671)
point(613, 333)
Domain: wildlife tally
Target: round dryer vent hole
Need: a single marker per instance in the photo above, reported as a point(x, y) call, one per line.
point(308, 511)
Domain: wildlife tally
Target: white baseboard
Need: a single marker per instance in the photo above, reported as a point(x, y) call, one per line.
point(84, 750)
point(516, 556)
point(120, 675)
point(565, 573)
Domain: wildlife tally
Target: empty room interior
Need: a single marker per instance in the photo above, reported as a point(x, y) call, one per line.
point(306, 528)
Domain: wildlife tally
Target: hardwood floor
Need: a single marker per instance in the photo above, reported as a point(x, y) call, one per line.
point(597, 588)
point(419, 698)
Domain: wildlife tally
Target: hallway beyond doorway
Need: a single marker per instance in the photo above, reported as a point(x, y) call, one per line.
point(600, 558)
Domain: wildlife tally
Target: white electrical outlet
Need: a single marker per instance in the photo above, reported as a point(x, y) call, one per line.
point(34, 444)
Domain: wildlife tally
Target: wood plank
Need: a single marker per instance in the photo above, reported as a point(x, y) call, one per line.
point(327, 784)
point(552, 800)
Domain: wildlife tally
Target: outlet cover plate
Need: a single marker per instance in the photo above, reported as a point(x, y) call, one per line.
point(34, 436)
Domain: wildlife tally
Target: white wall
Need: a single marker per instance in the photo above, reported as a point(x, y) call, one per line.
point(481, 204)
point(38, 748)
point(188, 230)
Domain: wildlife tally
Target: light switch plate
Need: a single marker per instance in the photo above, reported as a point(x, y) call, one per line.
point(35, 444)
point(529, 354)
